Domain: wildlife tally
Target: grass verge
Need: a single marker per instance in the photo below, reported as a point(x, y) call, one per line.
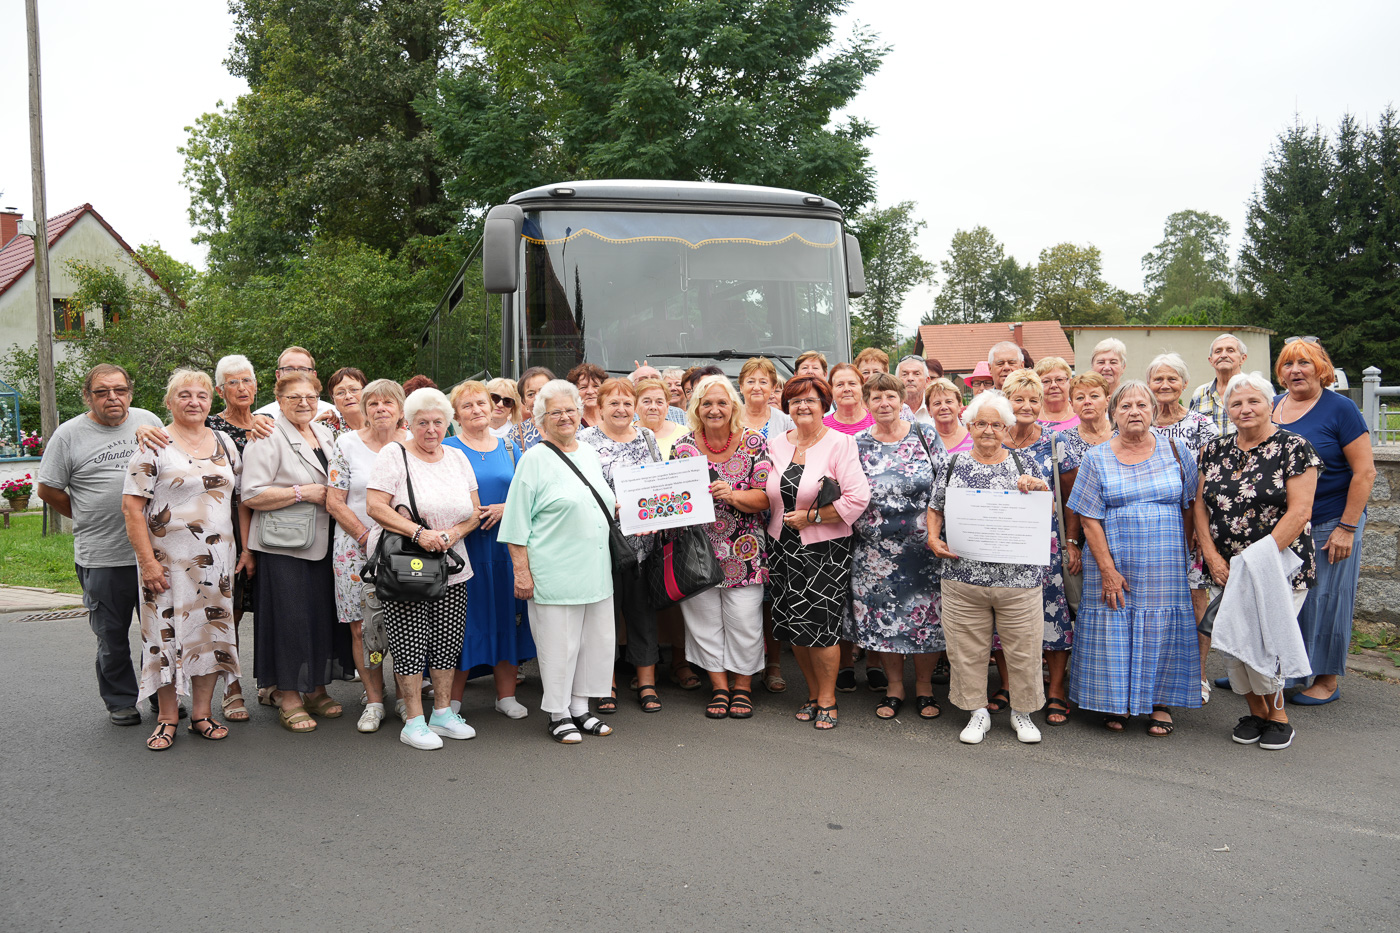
point(30, 559)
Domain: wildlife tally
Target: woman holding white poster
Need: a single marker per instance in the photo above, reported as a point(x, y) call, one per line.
point(724, 625)
point(983, 596)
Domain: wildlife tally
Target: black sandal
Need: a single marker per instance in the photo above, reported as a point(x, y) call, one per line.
point(651, 703)
point(926, 703)
point(592, 724)
point(1166, 725)
point(741, 706)
point(564, 731)
point(718, 707)
point(162, 736)
point(207, 732)
point(1056, 706)
point(893, 704)
point(608, 705)
point(824, 720)
point(807, 711)
point(1114, 722)
point(1000, 700)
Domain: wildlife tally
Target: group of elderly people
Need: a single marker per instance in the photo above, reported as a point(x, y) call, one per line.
point(831, 493)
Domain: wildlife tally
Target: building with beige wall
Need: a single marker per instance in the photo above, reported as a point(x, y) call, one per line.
point(1192, 341)
point(79, 234)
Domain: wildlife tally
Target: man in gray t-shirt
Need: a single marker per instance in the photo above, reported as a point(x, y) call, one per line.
point(81, 476)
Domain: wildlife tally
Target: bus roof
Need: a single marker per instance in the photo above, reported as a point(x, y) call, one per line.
point(650, 194)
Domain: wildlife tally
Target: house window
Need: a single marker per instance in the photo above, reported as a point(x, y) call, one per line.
point(67, 320)
point(111, 314)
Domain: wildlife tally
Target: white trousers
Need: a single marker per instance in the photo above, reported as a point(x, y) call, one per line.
point(724, 629)
point(575, 646)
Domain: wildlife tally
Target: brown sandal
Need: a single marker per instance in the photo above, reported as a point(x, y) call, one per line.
point(324, 706)
point(293, 718)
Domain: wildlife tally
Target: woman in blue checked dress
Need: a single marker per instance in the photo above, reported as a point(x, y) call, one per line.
point(1135, 638)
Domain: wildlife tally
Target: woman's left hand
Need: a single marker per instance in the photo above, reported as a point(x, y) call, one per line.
point(246, 561)
point(491, 514)
point(1027, 483)
point(796, 520)
point(434, 540)
point(1073, 558)
point(1339, 544)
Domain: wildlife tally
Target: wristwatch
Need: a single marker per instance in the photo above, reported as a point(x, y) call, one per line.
point(817, 520)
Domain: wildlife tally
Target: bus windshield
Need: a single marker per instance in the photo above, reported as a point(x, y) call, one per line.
point(614, 287)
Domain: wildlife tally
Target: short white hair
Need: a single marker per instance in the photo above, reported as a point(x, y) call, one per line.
point(426, 399)
point(1254, 380)
point(1002, 344)
point(1111, 345)
point(672, 372)
point(923, 364)
point(994, 399)
point(1172, 361)
point(553, 389)
point(233, 363)
point(1244, 351)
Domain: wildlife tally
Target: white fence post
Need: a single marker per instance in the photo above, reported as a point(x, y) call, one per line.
point(1370, 410)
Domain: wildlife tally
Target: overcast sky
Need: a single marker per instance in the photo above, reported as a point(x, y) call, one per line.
point(1045, 122)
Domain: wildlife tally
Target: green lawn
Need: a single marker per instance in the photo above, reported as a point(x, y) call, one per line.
point(29, 559)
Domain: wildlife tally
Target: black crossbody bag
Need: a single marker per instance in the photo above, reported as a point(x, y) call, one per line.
point(402, 571)
point(624, 559)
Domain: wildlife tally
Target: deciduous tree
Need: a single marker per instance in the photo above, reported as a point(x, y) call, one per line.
point(1192, 261)
point(893, 266)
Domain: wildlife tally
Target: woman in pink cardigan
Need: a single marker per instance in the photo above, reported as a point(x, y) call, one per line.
point(810, 561)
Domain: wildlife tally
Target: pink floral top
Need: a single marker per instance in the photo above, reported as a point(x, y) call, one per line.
point(738, 538)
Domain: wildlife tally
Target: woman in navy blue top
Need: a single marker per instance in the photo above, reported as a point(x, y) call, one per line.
point(1334, 426)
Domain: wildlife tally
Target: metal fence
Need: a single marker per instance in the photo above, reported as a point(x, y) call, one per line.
point(1382, 420)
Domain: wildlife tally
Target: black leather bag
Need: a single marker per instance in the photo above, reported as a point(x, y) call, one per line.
point(402, 571)
point(624, 559)
point(828, 491)
point(681, 567)
point(1207, 624)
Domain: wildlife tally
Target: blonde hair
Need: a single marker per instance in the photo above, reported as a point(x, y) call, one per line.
point(760, 363)
point(1023, 379)
point(875, 354)
point(505, 388)
point(1091, 379)
point(702, 388)
point(461, 389)
point(183, 377)
point(943, 385)
point(817, 355)
point(1051, 363)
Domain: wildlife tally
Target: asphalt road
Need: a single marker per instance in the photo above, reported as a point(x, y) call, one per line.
point(679, 823)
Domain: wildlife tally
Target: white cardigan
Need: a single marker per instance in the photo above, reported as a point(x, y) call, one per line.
point(1258, 621)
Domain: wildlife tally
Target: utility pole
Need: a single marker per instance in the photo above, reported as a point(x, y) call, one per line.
point(48, 404)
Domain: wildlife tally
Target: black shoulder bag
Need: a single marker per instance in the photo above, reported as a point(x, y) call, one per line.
point(624, 559)
point(404, 572)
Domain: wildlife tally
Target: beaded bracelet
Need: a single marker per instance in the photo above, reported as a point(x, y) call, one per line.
point(417, 533)
point(1346, 526)
point(296, 491)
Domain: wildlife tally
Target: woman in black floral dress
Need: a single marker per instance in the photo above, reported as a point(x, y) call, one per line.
point(1259, 481)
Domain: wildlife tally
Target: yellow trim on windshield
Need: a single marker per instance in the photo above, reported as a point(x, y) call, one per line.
point(673, 239)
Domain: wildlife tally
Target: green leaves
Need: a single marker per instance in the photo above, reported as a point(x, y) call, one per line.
point(1191, 262)
point(893, 266)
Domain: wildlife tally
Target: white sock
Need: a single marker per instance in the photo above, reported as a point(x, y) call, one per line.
point(445, 711)
point(578, 706)
point(378, 706)
point(455, 706)
point(511, 707)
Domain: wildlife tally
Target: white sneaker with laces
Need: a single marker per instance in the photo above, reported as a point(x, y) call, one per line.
point(416, 733)
point(371, 717)
point(977, 727)
point(1026, 729)
point(449, 725)
point(401, 710)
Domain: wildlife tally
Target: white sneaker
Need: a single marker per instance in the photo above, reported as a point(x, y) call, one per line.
point(512, 707)
point(401, 710)
point(1026, 729)
point(449, 725)
point(371, 718)
point(416, 734)
point(977, 727)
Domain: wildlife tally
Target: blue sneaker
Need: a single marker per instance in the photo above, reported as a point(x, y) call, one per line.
point(416, 733)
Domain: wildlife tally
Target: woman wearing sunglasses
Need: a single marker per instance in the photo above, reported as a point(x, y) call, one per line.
point(505, 407)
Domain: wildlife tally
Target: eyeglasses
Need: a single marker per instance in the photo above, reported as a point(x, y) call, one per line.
point(108, 393)
point(299, 399)
point(346, 393)
point(804, 402)
point(295, 369)
point(1288, 340)
point(562, 414)
point(502, 400)
point(238, 383)
point(984, 425)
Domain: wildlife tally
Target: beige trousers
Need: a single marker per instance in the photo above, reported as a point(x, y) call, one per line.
point(970, 613)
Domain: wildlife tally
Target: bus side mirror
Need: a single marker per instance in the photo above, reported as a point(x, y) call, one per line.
point(500, 249)
point(855, 268)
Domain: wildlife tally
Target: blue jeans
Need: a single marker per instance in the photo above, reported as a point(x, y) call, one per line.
point(1325, 619)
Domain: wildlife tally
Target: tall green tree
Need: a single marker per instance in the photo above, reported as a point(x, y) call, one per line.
point(889, 249)
point(744, 91)
point(1191, 262)
point(1069, 287)
point(330, 139)
point(980, 282)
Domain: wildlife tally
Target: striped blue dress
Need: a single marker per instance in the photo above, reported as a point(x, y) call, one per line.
point(1126, 660)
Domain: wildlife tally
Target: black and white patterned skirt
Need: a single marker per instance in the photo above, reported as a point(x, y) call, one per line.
point(810, 585)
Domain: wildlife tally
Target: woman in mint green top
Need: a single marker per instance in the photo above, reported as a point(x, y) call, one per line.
point(558, 540)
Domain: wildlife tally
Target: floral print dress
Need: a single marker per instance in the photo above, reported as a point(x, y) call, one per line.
point(187, 631)
point(739, 539)
point(895, 599)
point(640, 449)
point(1059, 628)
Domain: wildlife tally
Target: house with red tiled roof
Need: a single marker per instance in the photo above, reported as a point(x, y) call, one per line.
point(960, 347)
point(81, 234)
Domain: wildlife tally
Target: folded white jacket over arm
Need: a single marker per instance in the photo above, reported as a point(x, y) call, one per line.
point(1257, 621)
